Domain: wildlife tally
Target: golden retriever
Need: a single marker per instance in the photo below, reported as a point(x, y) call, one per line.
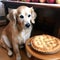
point(18, 30)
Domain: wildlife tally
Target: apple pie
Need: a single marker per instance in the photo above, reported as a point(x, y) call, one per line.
point(46, 44)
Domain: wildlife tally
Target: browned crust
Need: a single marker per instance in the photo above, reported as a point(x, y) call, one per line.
point(46, 51)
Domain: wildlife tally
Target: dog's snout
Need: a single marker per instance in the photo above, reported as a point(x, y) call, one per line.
point(27, 25)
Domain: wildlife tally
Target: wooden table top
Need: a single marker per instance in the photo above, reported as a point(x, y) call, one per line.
point(38, 55)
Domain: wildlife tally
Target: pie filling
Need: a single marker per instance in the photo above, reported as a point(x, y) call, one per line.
point(46, 44)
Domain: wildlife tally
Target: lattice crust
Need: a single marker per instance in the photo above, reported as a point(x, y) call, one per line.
point(46, 44)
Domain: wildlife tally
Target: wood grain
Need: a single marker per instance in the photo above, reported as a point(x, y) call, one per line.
point(38, 55)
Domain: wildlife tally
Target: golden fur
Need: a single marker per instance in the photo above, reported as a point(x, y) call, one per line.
point(18, 30)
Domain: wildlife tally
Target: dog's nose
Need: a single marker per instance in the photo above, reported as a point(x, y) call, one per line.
point(27, 25)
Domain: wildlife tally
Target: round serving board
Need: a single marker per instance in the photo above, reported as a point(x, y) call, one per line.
point(39, 55)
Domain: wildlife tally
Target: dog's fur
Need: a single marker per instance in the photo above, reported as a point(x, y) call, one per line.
point(19, 29)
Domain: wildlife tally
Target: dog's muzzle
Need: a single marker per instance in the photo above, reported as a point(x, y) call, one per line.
point(27, 25)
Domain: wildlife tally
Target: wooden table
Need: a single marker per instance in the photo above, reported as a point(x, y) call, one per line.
point(38, 55)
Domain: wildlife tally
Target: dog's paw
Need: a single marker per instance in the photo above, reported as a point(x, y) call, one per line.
point(10, 53)
point(29, 55)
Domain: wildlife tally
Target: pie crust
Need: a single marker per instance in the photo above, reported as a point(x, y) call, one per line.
point(45, 44)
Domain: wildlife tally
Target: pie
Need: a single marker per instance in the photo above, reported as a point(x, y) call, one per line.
point(46, 44)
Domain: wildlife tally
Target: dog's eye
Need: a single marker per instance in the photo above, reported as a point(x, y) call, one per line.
point(29, 15)
point(21, 16)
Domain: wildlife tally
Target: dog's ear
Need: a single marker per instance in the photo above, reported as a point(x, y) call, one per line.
point(33, 15)
point(12, 15)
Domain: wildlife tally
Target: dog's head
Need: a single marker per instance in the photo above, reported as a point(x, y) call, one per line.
point(23, 15)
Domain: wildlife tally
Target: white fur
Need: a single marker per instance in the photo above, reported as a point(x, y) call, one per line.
point(6, 40)
point(10, 52)
point(24, 35)
point(18, 29)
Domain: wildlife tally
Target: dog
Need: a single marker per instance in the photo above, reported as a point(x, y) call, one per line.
point(18, 30)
